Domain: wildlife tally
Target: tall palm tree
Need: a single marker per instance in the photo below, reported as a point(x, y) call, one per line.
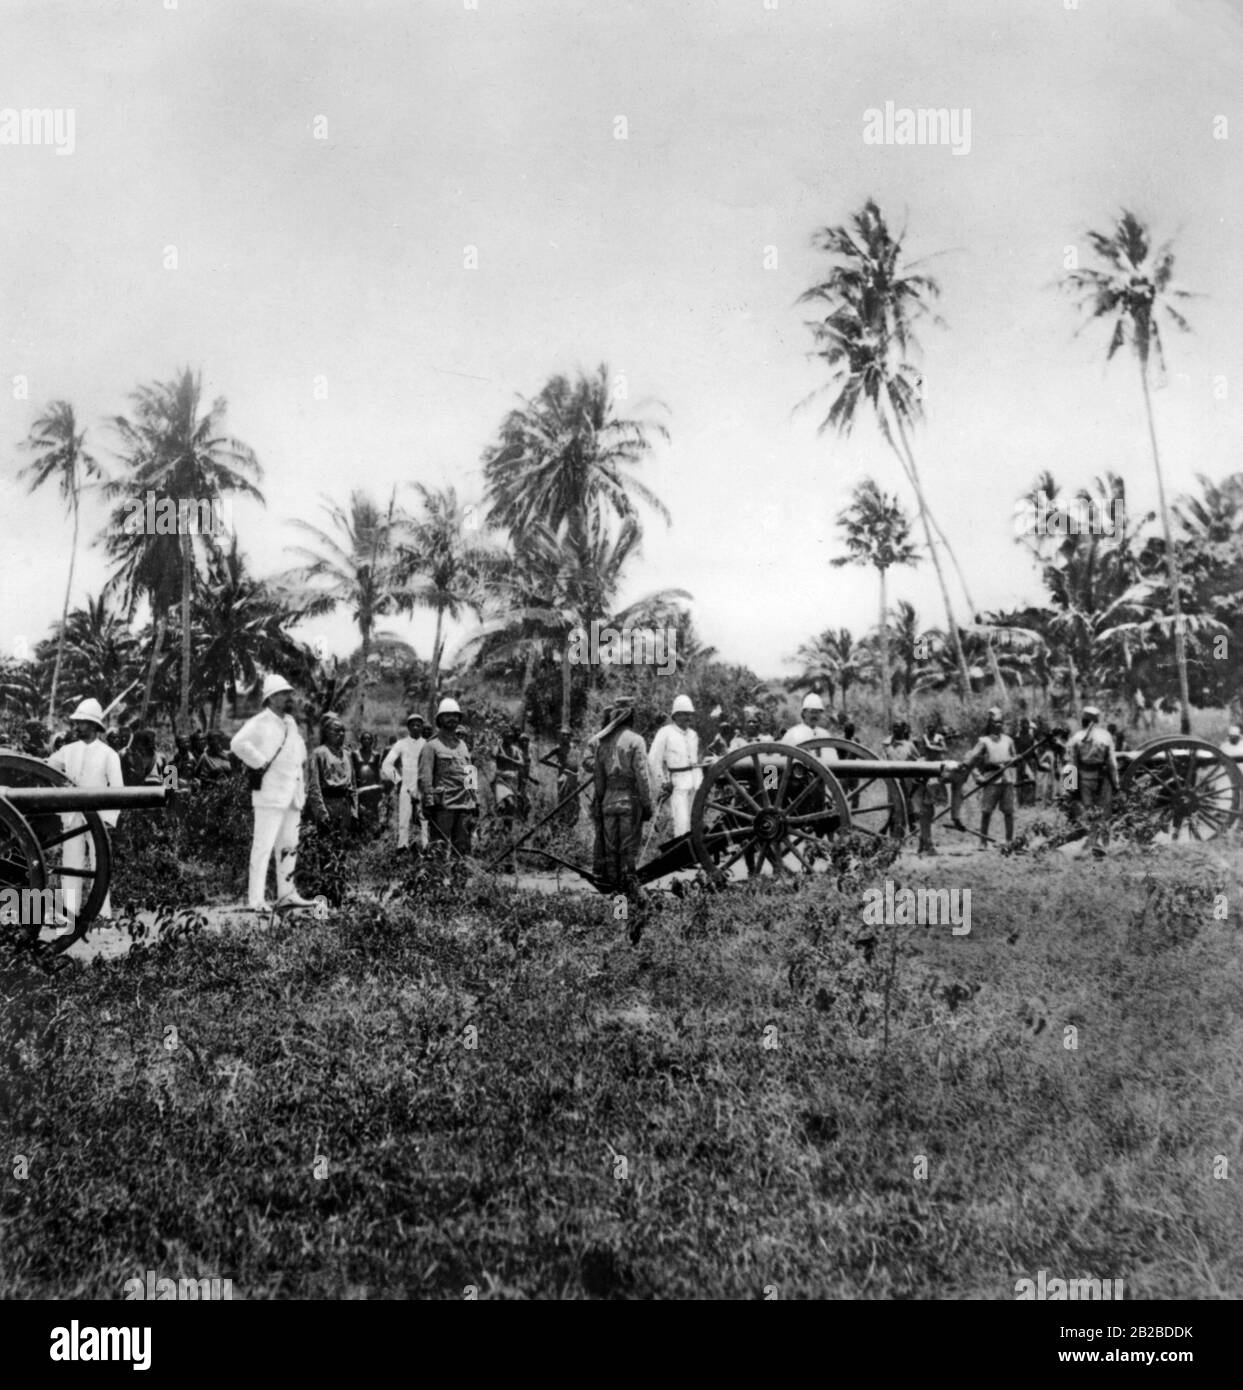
point(877, 532)
point(179, 451)
point(355, 564)
point(910, 645)
point(831, 661)
point(61, 453)
point(145, 567)
point(101, 653)
point(441, 563)
point(1133, 290)
point(871, 302)
point(565, 455)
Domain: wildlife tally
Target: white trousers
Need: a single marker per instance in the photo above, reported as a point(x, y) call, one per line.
point(405, 814)
point(680, 799)
point(78, 853)
point(275, 829)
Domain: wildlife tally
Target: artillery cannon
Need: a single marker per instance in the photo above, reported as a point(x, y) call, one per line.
point(770, 808)
point(33, 799)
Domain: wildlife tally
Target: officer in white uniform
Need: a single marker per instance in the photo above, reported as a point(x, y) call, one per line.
point(401, 765)
point(88, 761)
point(674, 763)
point(271, 742)
point(810, 726)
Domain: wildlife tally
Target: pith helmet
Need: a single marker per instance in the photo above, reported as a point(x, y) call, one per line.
point(1233, 731)
point(1091, 712)
point(414, 717)
point(682, 705)
point(448, 706)
point(90, 712)
point(994, 712)
point(274, 685)
point(813, 701)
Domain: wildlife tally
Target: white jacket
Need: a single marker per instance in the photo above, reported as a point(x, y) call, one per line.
point(94, 764)
point(401, 763)
point(673, 757)
point(256, 743)
point(801, 733)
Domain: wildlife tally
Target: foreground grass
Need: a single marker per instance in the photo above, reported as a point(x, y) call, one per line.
point(712, 1114)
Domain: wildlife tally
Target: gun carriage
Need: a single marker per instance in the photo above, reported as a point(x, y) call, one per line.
point(770, 809)
point(33, 799)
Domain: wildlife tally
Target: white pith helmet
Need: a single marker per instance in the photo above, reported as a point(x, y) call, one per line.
point(682, 705)
point(448, 706)
point(274, 685)
point(812, 701)
point(89, 711)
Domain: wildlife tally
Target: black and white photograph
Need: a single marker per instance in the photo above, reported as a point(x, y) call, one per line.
point(621, 659)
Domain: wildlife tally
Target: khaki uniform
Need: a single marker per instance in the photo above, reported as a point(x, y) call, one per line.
point(1092, 754)
point(621, 802)
point(447, 784)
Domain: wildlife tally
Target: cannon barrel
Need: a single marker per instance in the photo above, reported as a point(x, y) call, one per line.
point(881, 767)
point(35, 801)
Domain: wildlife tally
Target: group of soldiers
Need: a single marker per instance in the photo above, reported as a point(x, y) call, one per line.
point(434, 777)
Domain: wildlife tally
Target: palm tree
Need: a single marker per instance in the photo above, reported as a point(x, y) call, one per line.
point(831, 661)
point(355, 564)
point(180, 452)
point(146, 567)
point(100, 650)
point(877, 532)
point(60, 452)
point(441, 564)
point(910, 646)
point(871, 302)
point(243, 623)
point(1133, 290)
point(566, 456)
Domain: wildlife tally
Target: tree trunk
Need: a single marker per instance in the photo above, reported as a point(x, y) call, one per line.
point(1074, 682)
point(955, 636)
point(886, 690)
point(1171, 561)
point(183, 708)
point(566, 668)
point(361, 698)
point(64, 616)
point(437, 653)
point(160, 622)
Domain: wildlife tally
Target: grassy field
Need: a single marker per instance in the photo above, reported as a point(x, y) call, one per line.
point(470, 1086)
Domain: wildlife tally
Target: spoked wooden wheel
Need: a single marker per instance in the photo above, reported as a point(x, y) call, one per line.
point(877, 804)
point(23, 876)
point(82, 884)
point(766, 809)
point(1195, 788)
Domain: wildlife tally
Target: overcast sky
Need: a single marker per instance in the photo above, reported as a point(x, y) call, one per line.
point(449, 127)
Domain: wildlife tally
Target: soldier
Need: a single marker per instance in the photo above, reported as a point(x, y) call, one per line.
point(722, 740)
point(1234, 742)
point(753, 730)
point(272, 748)
point(332, 792)
point(561, 760)
point(142, 764)
point(902, 748)
point(447, 783)
point(366, 764)
point(674, 763)
point(810, 725)
point(34, 739)
point(1091, 753)
point(994, 749)
point(88, 760)
point(621, 803)
point(401, 767)
point(214, 765)
point(509, 765)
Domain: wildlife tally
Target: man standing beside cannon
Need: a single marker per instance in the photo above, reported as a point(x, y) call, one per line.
point(448, 784)
point(994, 756)
point(272, 749)
point(1091, 753)
point(88, 760)
point(621, 800)
point(674, 763)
